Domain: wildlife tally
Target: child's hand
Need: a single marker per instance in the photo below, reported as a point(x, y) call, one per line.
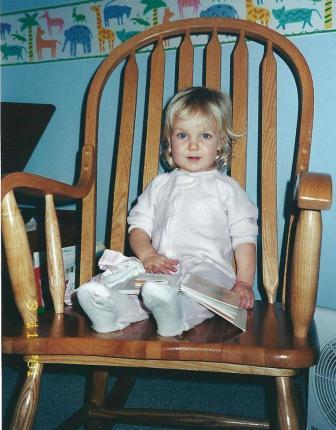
point(157, 263)
point(246, 294)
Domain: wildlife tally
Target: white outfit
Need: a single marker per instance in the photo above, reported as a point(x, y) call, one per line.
point(197, 218)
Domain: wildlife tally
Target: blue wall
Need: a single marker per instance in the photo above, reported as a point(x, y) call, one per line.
point(64, 83)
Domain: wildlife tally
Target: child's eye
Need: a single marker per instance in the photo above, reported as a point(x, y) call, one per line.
point(206, 136)
point(182, 135)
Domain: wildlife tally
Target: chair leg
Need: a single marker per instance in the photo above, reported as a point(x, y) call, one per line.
point(26, 405)
point(97, 397)
point(98, 388)
point(120, 392)
point(288, 406)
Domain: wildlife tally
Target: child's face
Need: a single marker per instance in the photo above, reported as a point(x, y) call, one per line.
point(194, 143)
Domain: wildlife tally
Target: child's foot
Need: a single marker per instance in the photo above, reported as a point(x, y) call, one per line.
point(108, 310)
point(163, 301)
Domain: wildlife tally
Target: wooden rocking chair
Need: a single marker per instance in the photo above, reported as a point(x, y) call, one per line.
point(280, 339)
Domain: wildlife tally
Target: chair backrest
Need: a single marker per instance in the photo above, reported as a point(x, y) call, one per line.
point(222, 63)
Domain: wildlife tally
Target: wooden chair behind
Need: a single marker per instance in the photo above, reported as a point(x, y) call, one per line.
point(271, 346)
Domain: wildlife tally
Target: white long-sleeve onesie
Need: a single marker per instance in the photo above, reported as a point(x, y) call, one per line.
point(197, 218)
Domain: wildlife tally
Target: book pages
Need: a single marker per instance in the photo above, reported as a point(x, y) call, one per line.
point(219, 300)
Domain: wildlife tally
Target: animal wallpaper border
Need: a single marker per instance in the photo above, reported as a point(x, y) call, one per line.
point(91, 29)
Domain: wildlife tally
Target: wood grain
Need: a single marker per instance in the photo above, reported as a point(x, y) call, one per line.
point(314, 191)
point(268, 341)
point(154, 120)
point(213, 61)
point(240, 109)
point(186, 62)
point(19, 259)
point(27, 403)
point(269, 223)
point(124, 158)
point(54, 256)
point(305, 272)
point(289, 411)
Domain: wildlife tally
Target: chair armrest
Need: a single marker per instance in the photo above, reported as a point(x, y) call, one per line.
point(39, 185)
point(314, 191)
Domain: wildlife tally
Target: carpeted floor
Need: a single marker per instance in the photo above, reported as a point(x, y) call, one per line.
point(63, 388)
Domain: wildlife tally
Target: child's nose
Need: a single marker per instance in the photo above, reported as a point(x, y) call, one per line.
point(193, 143)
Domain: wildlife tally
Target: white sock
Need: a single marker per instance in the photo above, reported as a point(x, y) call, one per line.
point(173, 311)
point(107, 309)
point(163, 302)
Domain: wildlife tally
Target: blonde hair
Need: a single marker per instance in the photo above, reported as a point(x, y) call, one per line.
point(210, 103)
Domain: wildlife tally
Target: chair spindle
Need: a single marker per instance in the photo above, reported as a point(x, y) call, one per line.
point(213, 62)
point(54, 255)
point(239, 109)
point(20, 271)
point(268, 174)
point(186, 63)
point(120, 202)
point(155, 104)
point(88, 235)
point(305, 270)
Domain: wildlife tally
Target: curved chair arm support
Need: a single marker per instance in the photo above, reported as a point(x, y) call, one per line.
point(314, 191)
point(39, 185)
point(15, 237)
point(313, 195)
point(19, 260)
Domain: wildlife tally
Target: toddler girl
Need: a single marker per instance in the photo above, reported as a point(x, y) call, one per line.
point(194, 219)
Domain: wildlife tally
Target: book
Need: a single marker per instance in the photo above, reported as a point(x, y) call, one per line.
point(133, 286)
point(217, 299)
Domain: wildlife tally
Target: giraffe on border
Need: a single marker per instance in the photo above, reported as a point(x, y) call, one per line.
point(103, 32)
point(257, 14)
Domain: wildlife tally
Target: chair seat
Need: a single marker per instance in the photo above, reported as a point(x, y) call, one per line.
point(267, 342)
